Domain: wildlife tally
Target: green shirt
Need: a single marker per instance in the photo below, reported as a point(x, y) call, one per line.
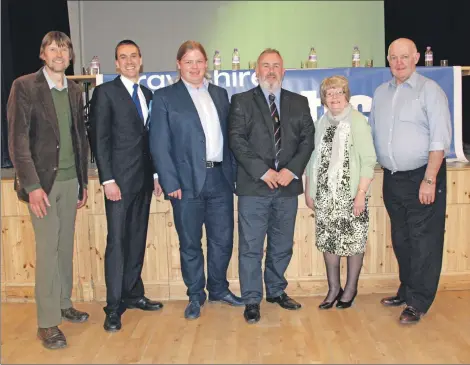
point(67, 168)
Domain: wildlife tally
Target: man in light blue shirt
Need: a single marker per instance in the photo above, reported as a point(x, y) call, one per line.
point(412, 132)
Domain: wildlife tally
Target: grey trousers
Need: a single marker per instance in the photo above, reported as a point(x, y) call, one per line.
point(258, 216)
point(54, 253)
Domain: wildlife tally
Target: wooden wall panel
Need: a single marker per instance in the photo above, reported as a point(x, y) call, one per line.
point(162, 271)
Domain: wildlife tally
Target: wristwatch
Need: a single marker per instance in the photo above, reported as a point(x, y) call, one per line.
point(428, 180)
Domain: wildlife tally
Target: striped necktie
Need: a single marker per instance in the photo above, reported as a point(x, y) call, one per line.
point(276, 127)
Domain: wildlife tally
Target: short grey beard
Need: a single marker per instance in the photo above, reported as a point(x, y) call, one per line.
point(270, 87)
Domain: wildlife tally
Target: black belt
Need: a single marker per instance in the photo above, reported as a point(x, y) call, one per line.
point(407, 172)
point(211, 164)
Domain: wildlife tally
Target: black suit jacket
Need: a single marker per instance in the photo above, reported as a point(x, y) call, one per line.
point(251, 138)
point(120, 138)
point(178, 142)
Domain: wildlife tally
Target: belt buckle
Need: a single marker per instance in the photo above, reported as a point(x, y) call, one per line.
point(209, 164)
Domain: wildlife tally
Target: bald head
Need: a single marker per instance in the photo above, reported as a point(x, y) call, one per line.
point(402, 57)
point(403, 43)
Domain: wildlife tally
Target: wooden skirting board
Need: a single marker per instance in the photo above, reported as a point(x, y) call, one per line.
point(162, 274)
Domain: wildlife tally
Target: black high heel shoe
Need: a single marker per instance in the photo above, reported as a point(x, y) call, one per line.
point(344, 305)
point(328, 305)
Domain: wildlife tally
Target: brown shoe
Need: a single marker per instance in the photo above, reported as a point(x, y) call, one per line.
point(410, 315)
point(52, 338)
point(73, 315)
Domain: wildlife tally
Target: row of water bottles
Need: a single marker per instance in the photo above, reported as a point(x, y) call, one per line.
point(217, 60)
point(312, 61)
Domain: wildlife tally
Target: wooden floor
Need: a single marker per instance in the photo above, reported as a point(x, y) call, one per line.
point(365, 333)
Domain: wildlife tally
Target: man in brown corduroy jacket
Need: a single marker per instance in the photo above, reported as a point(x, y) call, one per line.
point(49, 149)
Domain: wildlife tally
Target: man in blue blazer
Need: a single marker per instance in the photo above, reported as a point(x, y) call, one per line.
point(189, 147)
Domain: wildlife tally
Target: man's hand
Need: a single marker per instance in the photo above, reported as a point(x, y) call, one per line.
point(112, 191)
point(270, 178)
point(284, 177)
point(427, 193)
point(82, 202)
point(176, 194)
point(157, 189)
point(38, 201)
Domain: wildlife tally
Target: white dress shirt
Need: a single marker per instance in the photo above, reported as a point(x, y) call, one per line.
point(129, 84)
point(209, 119)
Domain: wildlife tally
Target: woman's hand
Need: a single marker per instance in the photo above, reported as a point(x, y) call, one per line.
point(359, 203)
point(309, 201)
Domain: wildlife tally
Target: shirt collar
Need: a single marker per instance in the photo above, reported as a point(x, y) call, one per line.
point(411, 81)
point(277, 94)
point(129, 84)
point(51, 83)
point(205, 85)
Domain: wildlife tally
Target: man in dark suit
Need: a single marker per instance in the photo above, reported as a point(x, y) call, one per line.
point(119, 113)
point(189, 146)
point(49, 149)
point(272, 137)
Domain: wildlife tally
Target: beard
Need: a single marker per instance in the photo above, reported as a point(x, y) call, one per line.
point(270, 85)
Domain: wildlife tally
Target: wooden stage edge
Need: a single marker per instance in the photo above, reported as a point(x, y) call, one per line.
point(162, 273)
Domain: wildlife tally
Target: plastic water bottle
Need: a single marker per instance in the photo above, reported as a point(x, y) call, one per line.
point(428, 57)
point(235, 59)
point(312, 59)
point(356, 57)
point(95, 66)
point(217, 61)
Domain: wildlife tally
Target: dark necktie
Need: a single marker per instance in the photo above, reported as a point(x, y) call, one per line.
point(135, 98)
point(276, 127)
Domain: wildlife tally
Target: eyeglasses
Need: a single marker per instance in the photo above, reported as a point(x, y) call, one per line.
point(332, 94)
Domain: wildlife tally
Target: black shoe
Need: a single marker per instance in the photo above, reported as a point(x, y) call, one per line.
point(145, 304)
point(344, 305)
point(285, 302)
point(251, 313)
point(73, 315)
point(395, 301)
point(112, 323)
point(193, 309)
point(328, 305)
point(230, 298)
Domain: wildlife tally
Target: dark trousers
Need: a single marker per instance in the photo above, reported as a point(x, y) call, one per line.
point(417, 233)
point(213, 208)
point(125, 249)
point(258, 216)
